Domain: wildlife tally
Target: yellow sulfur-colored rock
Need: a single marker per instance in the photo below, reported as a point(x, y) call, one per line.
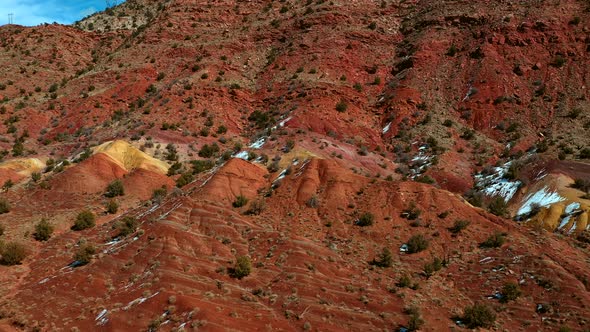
point(553, 216)
point(129, 157)
point(23, 166)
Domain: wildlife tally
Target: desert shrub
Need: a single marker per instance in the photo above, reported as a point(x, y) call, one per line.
point(366, 219)
point(495, 240)
point(84, 254)
point(581, 184)
point(412, 212)
point(384, 259)
point(36, 176)
point(415, 321)
point(341, 106)
point(585, 153)
point(84, 220)
point(43, 230)
point(417, 243)
point(240, 201)
point(256, 207)
point(13, 253)
point(127, 226)
point(208, 151)
point(478, 315)
point(4, 206)
point(498, 206)
point(184, 179)
point(159, 194)
point(242, 267)
point(112, 206)
point(510, 292)
point(452, 50)
point(200, 166)
point(115, 189)
point(459, 226)
point(312, 202)
point(260, 119)
point(1, 230)
point(434, 266)
point(404, 281)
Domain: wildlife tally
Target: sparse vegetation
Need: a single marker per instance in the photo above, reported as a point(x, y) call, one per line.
point(43, 230)
point(341, 106)
point(417, 243)
point(459, 226)
point(4, 206)
point(128, 225)
point(84, 254)
point(13, 253)
point(84, 220)
point(242, 267)
point(240, 201)
point(498, 206)
point(383, 259)
point(510, 292)
point(366, 219)
point(495, 240)
point(114, 189)
point(478, 315)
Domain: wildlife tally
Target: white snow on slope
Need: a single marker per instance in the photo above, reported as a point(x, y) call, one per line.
point(543, 198)
point(258, 143)
point(242, 155)
point(386, 128)
point(496, 185)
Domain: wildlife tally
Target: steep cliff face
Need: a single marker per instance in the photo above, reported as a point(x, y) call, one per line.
point(325, 141)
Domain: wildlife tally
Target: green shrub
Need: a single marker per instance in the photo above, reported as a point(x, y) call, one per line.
point(434, 266)
point(415, 321)
point(495, 240)
point(366, 219)
point(13, 253)
point(242, 267)
point(112, 206)
point(4, 206)
point(114, 189)
point(498, 206)
point(412, 212)
point(459, 226)
point(184, 179)
point(84, 254)
point(510, 292)
point(417, 243)
point(240, 201)
point(384, 259)
point(478, 315)
point(208, 151)
point(84, 220)
point(43, 230)
point(200, 166)
point(404, 281)
point(341, 106)
point(159, 194)
point(128, 225)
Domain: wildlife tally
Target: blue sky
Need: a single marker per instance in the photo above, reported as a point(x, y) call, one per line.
point(34, 12)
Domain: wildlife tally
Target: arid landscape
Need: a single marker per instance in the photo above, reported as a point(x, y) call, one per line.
point(177, 165)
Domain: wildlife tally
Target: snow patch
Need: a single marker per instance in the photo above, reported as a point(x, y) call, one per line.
point(386, 128)
point(542, 198)
point(242, 155)
point(258, 143)
point(495, 184)
point(102, 319)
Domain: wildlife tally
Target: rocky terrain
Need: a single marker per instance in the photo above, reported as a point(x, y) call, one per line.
point(297, 165)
